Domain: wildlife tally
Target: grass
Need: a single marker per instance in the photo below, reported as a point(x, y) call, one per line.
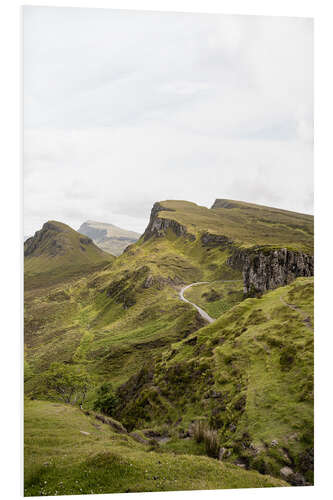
point(249, 374)
point(67, 452)
point(57, 252)
point(217, 297)
point(246, 224)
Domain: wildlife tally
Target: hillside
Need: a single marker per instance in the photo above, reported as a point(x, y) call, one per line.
point(57, 251)
point(77, 454)
point(243, 224)
point(109, 237)
point(247, 376)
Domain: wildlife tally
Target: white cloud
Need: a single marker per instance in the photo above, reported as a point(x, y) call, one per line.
point(126, 108)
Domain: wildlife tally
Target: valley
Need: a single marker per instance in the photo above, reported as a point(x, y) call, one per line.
point(198, 338)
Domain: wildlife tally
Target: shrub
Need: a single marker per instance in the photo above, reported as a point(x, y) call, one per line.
point(69, 382)
point(106, 400)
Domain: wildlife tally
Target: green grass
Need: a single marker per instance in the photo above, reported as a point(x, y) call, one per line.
point(249, 374)
point(257, 359)
point(60, 459)
point(57, 252)
point(216, 297)
point(246, 224)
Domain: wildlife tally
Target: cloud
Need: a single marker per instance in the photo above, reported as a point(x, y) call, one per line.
point(125, 108)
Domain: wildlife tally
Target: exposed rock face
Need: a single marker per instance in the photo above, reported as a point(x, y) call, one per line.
point(221, 203)
point(266, 270)
point(159, 282)
point(215, 240)
point(158, 226)
point(48, 233)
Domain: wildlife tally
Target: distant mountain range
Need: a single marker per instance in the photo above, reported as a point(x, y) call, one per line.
point(108, 237)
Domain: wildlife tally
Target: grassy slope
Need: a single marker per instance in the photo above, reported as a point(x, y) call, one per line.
point(79, 320)
point(75, 322)
point(108, 321)
point(60, 459)
point(246, 224)
point(250, 374)
point(216, 297)
point(61, 253)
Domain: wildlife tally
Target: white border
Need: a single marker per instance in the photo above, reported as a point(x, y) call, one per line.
point(11, 234)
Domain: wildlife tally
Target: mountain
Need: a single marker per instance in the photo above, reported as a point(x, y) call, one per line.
point(58, 251)
point(245, 380)
point(108, 237)
point(242, 224)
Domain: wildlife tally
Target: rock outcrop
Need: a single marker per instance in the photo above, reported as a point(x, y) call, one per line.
point(215, 240)
point(158, 225)
point(265, 269)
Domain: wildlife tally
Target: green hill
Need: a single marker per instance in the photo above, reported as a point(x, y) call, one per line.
point(57, 252)
point(247, 376)
point(245, 224)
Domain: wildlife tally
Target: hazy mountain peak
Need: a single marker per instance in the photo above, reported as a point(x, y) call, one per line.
point(109, 237)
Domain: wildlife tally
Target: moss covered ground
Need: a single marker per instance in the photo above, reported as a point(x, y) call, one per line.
point(246, 224)
point(69, 453)
point(250, 375)
point(216, 297)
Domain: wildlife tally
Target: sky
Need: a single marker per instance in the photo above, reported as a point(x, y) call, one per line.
point(125, 108)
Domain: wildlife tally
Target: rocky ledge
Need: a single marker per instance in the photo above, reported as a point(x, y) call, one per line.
point(158, 226)
point(265, 269)
point(215, 240)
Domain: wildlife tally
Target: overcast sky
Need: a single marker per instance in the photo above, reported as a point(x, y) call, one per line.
point(124, 108)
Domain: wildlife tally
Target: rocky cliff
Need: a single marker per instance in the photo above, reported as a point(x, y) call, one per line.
point(158, 225)
point(265, 269)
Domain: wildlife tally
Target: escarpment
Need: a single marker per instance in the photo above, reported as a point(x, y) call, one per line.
point(158, 226)
point(241, 230)
point(269, 269)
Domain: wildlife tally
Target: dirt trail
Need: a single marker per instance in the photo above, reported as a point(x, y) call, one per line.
point(202, 313)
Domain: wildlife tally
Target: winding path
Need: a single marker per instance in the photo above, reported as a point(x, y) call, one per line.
point(202, 313)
